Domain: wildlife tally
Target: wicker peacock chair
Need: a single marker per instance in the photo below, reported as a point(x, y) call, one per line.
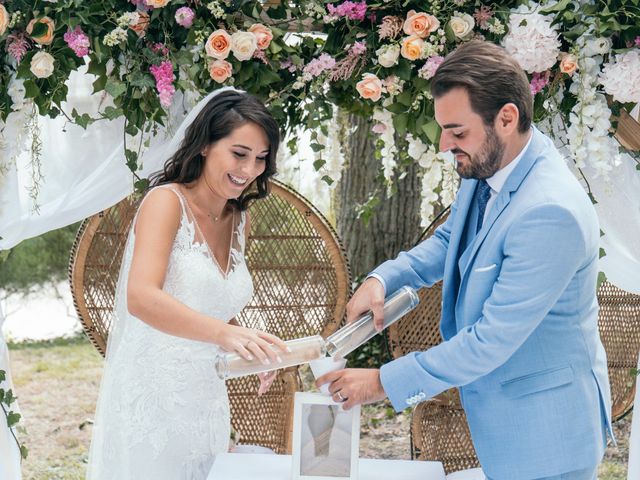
point(439, 429)
point(301, 287)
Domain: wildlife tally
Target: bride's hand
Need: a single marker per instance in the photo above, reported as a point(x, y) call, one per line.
point(266, 379)
point(250, 343)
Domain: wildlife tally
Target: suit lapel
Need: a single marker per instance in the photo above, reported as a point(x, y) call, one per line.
point(451, 284)
point(537, 146)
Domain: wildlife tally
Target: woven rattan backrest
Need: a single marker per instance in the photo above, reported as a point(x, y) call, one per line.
point(301, 287)
point(619, 322)
point(439, 429)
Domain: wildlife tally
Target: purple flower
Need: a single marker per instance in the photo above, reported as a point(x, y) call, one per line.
point(539, 81)
point(185, 16)
point(350, 10)
point(78, 41)
point(637, 41)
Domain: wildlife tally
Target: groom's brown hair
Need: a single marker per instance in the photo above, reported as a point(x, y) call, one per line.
point(491, 77)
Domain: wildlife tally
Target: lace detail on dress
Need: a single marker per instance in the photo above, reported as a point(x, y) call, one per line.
point(162, 412)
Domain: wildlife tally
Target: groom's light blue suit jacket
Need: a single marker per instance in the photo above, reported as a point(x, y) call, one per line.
point(519, 320)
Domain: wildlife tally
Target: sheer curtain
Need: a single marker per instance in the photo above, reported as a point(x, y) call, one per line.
point(9, 452)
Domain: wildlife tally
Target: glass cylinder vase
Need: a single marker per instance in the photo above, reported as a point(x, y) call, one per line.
point(351, 336)
point(302, 350)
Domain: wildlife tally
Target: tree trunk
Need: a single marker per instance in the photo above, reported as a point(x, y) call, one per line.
point(395, 224)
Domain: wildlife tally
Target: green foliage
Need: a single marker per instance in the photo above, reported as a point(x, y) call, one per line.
point(12, 418)
point(372, 354)
point(37, 261)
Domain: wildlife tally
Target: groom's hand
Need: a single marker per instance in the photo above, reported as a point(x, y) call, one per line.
point(354, 386)
point(370, 296)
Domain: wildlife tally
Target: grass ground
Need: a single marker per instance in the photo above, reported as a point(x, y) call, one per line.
point(57, 384)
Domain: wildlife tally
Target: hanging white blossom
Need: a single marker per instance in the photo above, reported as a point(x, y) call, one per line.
point(532, 40)
point(439, 182)
point(385, 128)
point(588, 132)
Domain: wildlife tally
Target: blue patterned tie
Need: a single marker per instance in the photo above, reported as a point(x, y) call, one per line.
point(482, 197)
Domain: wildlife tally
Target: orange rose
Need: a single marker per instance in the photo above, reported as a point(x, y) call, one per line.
point(220, 70)
point(140, 27)
point(412, 47)
point(218, 45)
point(4, 19)
point(420, 24)
point(370, 87)
point(263, 35)
point(156, 3)
point(47, 38)
point(568, 63)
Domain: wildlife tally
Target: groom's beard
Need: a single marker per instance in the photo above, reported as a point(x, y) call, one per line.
point(486, 162)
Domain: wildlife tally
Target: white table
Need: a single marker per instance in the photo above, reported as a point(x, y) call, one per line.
point(248, 466)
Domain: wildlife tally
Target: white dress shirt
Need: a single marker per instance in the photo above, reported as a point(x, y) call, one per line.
point(497, 181)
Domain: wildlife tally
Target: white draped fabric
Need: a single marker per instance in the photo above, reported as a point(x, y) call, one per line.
point(9, 452)
point(84, 172)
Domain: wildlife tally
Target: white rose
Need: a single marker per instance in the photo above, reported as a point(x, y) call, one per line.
point(462, 25)
point(388, 55)
point(243, 45)
point(42, 65)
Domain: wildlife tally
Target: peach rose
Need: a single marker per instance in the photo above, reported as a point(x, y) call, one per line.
point(263, 35)
point(420, 24)
point(156, 3)
point(370, 87)
point(220, 70)
point(4, 19)
point(140, 27)
point(568, 63)
point(412, 47)
point(218, 45)
point(243, 45)
point(47, 38)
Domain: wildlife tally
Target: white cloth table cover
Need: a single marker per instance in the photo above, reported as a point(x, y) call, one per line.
point(239, 466)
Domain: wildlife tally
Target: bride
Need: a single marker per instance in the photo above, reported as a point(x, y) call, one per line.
point(162, 411)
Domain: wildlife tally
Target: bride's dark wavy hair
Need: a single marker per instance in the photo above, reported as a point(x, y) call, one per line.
point(218, 118)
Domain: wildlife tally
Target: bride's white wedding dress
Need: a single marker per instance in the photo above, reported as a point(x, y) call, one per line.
point(163, 413)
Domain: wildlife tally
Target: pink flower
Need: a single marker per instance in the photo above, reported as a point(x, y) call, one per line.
point(318, 65)
point(637, 41)
point(163, 74)
point(350, 10)
point(379, 128)
point(358, 48)
point(184, 17)
point(17, 45)
point(78, 41)
point(482, 16)
point(260, 55)
point(160, 48)
point(428, 70)
point(539, 81)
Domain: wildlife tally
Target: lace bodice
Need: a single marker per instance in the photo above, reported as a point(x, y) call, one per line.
point(162, 412)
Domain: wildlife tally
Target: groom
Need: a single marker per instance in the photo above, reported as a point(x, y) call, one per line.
point(519, 259)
